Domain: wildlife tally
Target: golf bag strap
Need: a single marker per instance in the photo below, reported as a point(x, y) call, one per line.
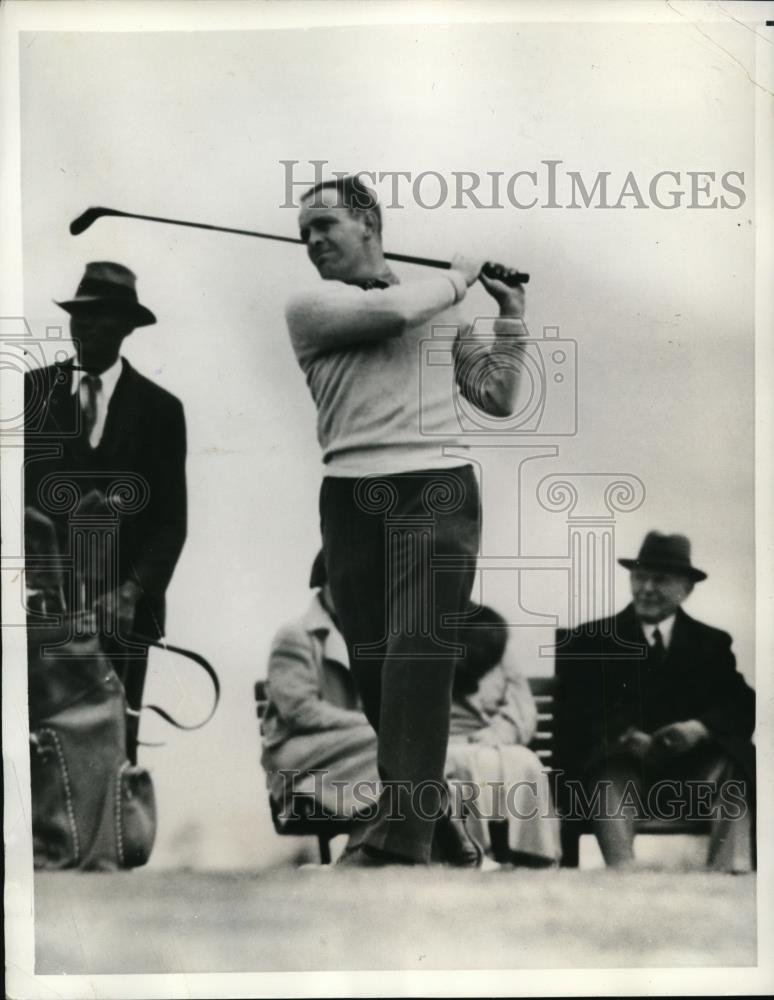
point(197, 658)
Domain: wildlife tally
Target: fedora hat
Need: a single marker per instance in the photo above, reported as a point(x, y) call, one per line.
point(671, 553)
point(108, 284)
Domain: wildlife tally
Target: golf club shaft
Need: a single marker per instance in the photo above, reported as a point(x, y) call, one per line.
point(82, 223)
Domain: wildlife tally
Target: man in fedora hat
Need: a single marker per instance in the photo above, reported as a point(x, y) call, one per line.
point(102, 433)
point(650, 709)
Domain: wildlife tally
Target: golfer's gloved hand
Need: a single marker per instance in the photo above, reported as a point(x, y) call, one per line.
point(679, 737)
point(509, 298)
point(469, 267)
point(635, 742)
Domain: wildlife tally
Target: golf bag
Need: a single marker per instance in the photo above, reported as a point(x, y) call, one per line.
point(91, 808)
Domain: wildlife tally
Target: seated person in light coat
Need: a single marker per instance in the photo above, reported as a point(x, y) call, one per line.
point(313, 720)
point(493, 720)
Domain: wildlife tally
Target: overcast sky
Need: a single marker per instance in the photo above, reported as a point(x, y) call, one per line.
point(658, 305)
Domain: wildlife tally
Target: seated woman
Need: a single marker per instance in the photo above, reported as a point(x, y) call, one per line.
point(493, 719)
point(313, 720)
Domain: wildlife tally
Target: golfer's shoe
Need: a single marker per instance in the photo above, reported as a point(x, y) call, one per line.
point(363, 856)
point(454, 844)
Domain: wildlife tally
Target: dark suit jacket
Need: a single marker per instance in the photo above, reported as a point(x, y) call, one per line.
point(144, 436)
point(606, 683)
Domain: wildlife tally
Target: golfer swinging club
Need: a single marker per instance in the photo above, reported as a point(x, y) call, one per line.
point(385, 440)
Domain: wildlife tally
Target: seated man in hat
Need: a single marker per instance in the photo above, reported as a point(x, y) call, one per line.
point(653, 720)
point(106, 446)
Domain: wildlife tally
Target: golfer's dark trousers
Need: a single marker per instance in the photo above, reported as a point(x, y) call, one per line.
point(400, 552)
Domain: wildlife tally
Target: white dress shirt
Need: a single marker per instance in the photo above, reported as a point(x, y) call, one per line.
point(665, 628)
point(108, 380)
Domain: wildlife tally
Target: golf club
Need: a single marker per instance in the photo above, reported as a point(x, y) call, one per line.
point(509, 276)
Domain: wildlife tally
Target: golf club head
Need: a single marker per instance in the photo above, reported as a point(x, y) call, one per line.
point(90, 216)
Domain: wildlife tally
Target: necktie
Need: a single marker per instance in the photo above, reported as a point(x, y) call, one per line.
point(92, 383)
point(657, 649)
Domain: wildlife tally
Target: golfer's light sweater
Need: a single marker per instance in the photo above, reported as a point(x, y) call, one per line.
point(381, 368)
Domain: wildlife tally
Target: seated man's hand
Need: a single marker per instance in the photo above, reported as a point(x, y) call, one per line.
point(678, 737)
point(635, 742)
point(118, 607)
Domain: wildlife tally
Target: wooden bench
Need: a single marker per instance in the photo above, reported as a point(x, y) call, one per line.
point(307, 820)
point(325, 828)
point(544, 692)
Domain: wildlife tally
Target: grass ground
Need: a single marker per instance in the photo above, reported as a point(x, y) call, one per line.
point(314, 919)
